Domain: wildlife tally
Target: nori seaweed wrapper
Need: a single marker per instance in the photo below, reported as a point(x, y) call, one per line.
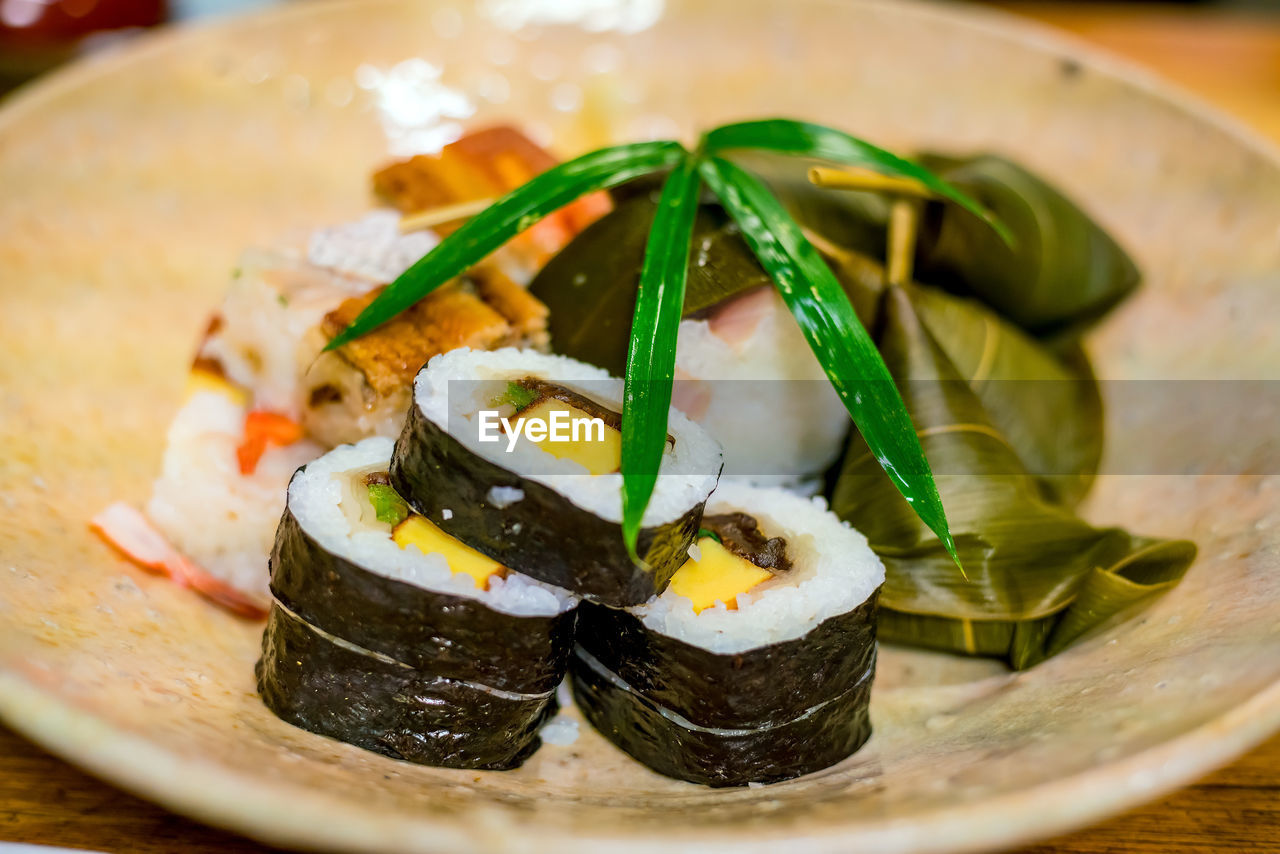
point(759, 716)
point(744, 689)
point(450, 636)
point(544, 535)
point(815, 739)
point(369, 700)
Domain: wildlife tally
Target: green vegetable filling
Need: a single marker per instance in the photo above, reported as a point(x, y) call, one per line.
point(516, 395)
point(388, 506)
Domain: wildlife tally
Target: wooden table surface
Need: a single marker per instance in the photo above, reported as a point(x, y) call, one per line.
point(1232, 59)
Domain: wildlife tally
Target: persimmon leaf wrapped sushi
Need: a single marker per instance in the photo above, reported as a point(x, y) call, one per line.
point(386, 633)
point(755, 665)
point(547, 504)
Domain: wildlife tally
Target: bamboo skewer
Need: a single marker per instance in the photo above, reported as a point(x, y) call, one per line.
point(872, 182)
point(904, 222)
point(904, 212)
point(444, 214)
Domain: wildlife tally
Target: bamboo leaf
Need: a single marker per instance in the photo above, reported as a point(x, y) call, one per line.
point(787, 136)
point(651, 356)
point(837, 337)
point(1067, 271)
point(1047, 407)
point(1037, 576)
point(507, 217)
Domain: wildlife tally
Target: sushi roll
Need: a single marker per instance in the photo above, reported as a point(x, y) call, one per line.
point(755, 665)
point(482, 457)
point(387, 633)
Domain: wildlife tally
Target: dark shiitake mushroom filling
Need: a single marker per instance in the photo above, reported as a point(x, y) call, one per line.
point(740, 533)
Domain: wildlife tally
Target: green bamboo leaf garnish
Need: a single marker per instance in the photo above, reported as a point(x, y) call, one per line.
point(651, 357)
point(843, 347)
point(507, 217)
point(787, 136)
point(807, 284)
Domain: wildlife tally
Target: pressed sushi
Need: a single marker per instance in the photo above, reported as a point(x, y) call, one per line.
point(743, 368)
point(223, 481)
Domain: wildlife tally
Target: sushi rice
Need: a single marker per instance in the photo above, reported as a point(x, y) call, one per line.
point(321, 498)
point(833, 571)
point(202, 503)
point(745, 372)
point(458, 384)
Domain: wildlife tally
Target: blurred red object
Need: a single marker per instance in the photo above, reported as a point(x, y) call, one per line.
point(35, 22)
point(36, 35)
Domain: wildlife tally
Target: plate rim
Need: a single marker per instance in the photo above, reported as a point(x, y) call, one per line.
point(992, 21)
point(214, 795)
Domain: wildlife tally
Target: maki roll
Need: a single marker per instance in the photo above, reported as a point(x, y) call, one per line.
point(755, 665)
point(518, 455)
point(387, 633)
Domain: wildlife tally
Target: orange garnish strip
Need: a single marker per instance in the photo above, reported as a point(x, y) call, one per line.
point(133, 535)
point(262, 428)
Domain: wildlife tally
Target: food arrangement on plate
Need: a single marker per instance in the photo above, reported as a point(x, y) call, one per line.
point(1039, 686)
point(826, 394)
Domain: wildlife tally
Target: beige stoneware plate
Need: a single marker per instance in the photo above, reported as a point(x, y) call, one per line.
point(130, 183)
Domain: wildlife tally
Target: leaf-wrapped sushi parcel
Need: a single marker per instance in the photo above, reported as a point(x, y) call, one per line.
point(386, 633)
point(1060, 273)
point(1063, 272)
point(755, 665)
point(990, 365)
point(1035, 575)
point(518, 455)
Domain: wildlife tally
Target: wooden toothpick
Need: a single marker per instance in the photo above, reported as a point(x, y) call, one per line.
point(852, 178)
point(441, 215)
point(907, 194)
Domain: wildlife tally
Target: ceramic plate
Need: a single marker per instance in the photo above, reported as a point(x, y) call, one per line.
point(131, 182)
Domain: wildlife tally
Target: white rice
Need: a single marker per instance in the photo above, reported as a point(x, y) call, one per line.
point(270, 330)
point(371, 247)
point(221, 519)
point(833, 571)
point(316, 497)
point(761, 393)
point(503, 497)
point(561, 731)
point(688, 472)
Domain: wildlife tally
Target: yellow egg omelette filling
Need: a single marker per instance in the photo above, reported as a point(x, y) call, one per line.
point(418, 531)
point(598, 450)
point(201, 380)
point(717, 575)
